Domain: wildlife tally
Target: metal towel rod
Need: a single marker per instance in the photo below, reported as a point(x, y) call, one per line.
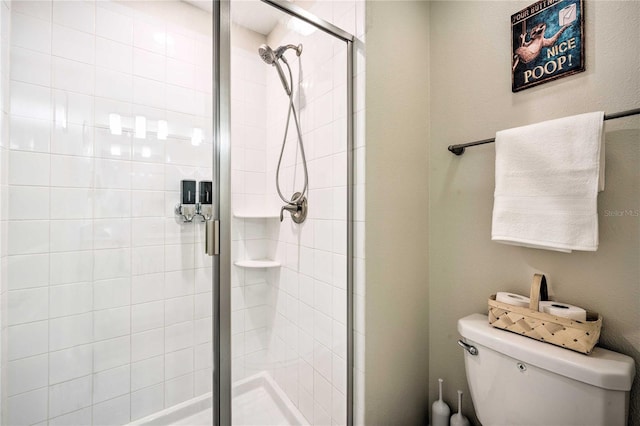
point(459, 149)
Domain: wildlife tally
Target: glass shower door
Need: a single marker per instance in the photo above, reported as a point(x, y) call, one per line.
point(108, 292)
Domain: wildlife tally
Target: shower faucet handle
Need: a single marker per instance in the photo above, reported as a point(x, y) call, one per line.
point(290, 207)
point(297, 208)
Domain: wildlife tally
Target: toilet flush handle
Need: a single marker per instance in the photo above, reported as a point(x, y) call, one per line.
point(467, 347)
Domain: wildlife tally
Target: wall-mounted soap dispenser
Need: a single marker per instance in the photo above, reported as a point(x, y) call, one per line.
point(187, 207)
point(205, 204)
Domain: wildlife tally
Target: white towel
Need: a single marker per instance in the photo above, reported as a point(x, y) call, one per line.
point(547, 181)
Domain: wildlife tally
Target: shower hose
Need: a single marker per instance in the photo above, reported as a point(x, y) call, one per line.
point(292, 111)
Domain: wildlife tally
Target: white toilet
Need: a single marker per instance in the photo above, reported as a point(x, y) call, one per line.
point(515, 380)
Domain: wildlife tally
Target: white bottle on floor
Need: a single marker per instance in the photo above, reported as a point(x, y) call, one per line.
point(440, 410)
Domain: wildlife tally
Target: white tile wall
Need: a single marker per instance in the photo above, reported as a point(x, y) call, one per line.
point(39, 27)
point(108, 299)
point(317, 305)
point(29, 365)
point(303, 305)
point(359, 213)
point(251, 314)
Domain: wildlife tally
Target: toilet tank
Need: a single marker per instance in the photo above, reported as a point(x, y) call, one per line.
point(515, 380)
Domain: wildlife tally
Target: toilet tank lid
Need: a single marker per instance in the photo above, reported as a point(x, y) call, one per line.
point(603, 368)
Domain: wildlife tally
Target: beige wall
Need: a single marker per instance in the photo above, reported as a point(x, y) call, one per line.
point(470, 99)
point(396, 359)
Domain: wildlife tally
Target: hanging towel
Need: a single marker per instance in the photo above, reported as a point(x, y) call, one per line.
point(547, 180)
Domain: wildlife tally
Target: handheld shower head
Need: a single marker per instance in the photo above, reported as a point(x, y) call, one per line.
point(267, 54)
point(271, 57)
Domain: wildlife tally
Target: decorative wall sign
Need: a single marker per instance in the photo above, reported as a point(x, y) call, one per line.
point(547, 42)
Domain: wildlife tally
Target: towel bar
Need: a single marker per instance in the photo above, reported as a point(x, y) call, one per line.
point(459, 149)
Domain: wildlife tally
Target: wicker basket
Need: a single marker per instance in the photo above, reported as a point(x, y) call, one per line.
point(580, 336)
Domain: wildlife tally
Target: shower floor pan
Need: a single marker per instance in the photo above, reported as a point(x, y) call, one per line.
point(257, 400)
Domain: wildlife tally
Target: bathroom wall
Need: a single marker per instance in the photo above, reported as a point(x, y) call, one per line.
point(471, 99)
point(109, 298)
point(396, 310)
point(5, 29)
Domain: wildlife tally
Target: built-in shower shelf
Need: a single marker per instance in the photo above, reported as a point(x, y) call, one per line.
point(258, 215)
point(262, 263)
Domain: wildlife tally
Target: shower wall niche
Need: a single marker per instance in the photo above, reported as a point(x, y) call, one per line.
point(289, 280)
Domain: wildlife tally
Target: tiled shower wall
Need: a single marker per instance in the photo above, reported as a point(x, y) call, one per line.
point(291, 321)
point(5, 20)
point(251, 311)
point(309, 335)
point(312, 287)
point(109, 298)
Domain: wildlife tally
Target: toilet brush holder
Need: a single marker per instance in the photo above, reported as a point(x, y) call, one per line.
point(458, 419)
point(579, 336)
point(440, 410)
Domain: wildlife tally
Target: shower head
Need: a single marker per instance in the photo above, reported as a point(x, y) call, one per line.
point(270, 57)
point(267, 54)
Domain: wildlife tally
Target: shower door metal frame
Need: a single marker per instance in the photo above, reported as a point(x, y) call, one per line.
point(221, 387)
point(222, 174)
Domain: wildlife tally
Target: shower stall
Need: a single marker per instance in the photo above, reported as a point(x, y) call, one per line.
point(176, 213)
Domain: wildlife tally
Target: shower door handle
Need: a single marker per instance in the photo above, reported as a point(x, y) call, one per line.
point(212, 237)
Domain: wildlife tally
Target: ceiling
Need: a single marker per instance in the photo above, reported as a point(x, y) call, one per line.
point(252, 14)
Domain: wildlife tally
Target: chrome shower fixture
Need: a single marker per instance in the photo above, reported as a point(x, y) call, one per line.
point(297, 209)
point(267, 54)
point(280, 50)
point(297, 205)
point(272, 57)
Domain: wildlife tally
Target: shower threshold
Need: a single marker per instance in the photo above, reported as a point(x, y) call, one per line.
point(257, 400)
